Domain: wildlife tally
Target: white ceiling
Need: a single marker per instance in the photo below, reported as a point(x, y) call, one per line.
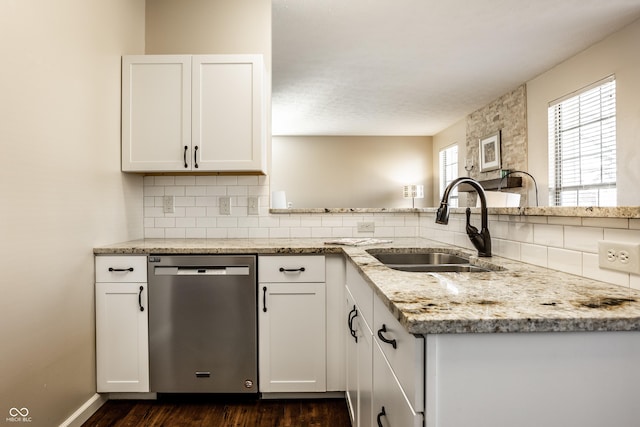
point(414, 67)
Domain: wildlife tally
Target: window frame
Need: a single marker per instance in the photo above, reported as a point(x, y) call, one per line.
point(582, 146)
point(443, 167)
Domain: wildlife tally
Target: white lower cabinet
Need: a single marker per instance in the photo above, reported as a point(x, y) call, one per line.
point(385, 364)
point(403, 352)
point(365, 374)
point(122, 349)
point(351, 365)
point(292, 324)
point(390, 404)
point(359, 353)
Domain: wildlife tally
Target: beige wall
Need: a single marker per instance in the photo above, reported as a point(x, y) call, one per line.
point(213, 27)
point(455, 134)
point(619, 54)
point(62, 191)
point(351, 171)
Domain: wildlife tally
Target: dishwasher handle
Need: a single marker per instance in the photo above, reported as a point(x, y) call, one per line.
point(237, 270)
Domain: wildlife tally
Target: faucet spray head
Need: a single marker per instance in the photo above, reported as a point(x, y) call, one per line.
point(442, 216)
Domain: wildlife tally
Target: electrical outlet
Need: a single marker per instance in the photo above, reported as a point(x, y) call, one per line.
point(366, 227)
point(253, 205)
point(620, 256)
point(168, 204)
point(225, 205)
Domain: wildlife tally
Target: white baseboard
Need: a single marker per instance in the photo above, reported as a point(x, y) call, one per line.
point(304, 395)
point(85, 411)
point(133, 396)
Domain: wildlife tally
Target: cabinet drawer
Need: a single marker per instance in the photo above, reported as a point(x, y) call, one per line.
point(284, 269)
point(362, 294)
point(114, 268)
point(406, 359)
point(387, 394)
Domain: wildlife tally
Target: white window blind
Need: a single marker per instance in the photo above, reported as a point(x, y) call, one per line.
point(449, 172)
point(582, 147)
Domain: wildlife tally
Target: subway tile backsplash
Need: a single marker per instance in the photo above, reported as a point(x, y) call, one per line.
point(197, 213)
point(566, 244)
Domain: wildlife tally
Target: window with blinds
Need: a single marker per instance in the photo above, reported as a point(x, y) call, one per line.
point(582, 147)
point(449, 172)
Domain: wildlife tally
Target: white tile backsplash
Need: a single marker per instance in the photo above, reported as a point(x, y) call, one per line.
point(566, 244)
point(563, 243)
point(582, 238)
point(616, 235)
point(606, 222)
point(197, 212)
point(564, 220)
point(565, 260)
point(591, 269)
point(548, 235)
point(533, 254)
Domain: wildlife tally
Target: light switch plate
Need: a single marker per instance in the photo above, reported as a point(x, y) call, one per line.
point(253, 207)
point(366, 227)
point(225, 205)
point(168, 204)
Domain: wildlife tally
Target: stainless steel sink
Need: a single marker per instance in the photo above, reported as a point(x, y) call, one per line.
point(429, 258)
point(428, 262)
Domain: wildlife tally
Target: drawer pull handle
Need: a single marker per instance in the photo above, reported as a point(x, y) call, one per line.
point(195, 157)
point(140, 298)
point(381, 414)
point(120, 269)
point(352, 315)
point(384, 329)
point(264, 299)
point(291, 270)
point(186, 165)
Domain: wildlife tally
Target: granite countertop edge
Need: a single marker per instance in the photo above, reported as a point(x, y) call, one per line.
point(522, 298)
point(629, 212)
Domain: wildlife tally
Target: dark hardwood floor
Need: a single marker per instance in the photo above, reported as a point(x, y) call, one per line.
point(222, 412)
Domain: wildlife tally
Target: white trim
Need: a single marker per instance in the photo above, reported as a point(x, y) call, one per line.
point(84, 412)
point(586, 88)
point(304, 395)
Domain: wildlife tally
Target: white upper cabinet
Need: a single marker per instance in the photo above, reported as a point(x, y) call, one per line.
point(156, 113)
point(202, 113)
point(228, 119)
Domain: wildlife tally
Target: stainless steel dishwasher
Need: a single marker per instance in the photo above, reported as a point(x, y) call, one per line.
point(203, 324)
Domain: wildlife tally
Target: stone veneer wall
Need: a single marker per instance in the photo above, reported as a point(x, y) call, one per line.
point(507, 114)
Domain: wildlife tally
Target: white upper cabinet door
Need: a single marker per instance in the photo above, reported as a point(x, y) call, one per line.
point(228, 122)
point(156, 113)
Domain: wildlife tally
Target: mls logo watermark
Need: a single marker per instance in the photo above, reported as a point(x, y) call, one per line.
point(18, 415)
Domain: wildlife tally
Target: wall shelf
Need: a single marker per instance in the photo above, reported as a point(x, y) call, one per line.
point(492, 184)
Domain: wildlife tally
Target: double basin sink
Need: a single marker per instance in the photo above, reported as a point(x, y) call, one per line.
point(429, 262)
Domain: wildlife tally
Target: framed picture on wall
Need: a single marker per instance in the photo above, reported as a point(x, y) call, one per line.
point(490, 152)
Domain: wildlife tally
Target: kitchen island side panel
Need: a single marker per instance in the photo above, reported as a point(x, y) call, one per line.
point(571, 379)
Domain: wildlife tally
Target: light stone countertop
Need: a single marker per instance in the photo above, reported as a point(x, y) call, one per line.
point(586, 211)
point(521, 298)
